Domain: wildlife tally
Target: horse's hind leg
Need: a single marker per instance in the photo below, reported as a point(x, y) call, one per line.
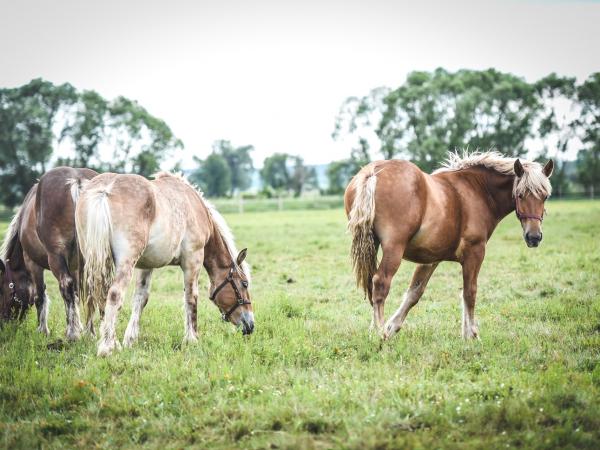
point(414, 292)
point(114, 302)
point(382, 280)
point(140, 299)
point(58, 266)
point(42, 301)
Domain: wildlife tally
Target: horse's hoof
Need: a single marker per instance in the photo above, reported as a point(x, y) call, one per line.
point(105, 349)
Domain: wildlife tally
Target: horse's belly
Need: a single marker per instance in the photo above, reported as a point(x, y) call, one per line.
point(431, 245)
point(163, 249)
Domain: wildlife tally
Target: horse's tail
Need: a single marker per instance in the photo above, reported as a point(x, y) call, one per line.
point(76, 185)
point(94, 231)
point(360, 224)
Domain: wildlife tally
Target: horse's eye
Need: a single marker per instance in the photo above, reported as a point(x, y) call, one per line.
point(245, 283)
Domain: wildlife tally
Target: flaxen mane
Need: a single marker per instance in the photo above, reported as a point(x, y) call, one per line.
point(217, 219)
point(533, 180)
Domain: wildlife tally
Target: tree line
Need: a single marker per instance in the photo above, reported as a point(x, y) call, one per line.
point(229, 170)
point(429, 114)
point(118, 136)
point(433, 112)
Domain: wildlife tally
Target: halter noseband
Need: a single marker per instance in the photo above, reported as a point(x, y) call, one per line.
point(522, 216)
point(11, 283)
point(240, 301)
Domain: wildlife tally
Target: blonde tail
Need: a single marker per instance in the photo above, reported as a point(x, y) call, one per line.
point(94, 231)
point(360, 224)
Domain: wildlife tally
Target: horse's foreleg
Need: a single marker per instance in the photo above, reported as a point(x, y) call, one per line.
point(58, 266)
point(419, 281)
point(471, 265)
point(114, 302)
point(382, 281)
point(140, 299)
point(191, 270)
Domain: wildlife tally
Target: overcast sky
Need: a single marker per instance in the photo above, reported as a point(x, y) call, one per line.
point(274, 73)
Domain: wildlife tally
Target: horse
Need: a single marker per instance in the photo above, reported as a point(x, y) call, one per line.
point(446, 216)
point(41, 236)
point(126, 221)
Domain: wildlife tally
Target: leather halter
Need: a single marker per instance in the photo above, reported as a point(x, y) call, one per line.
point(240, 301)
point(11, 283)
point(522, 216)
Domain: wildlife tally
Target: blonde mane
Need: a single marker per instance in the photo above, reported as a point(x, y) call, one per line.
point(533, 180)
point(218, 221)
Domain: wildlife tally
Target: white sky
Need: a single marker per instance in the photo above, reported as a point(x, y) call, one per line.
point(274, 73)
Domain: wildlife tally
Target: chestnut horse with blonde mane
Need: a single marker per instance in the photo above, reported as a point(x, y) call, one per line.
point(447, 216)
point(127, 221)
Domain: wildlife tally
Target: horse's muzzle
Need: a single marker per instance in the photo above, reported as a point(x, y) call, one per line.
point(247, 323)
point(533, 240)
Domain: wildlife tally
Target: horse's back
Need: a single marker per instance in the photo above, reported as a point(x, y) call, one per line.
point(412, 209)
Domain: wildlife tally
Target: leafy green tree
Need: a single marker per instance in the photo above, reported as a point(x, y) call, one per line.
point(284, 172)
point(556, 95)
point(432, 113)
point(239, 161)
point(117, 136)
point(588, 166)
point(340, 172)
point(213, 175)
point(274, 172)
point(28, 115)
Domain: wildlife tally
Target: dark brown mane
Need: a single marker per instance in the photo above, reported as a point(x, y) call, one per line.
point(11, 247)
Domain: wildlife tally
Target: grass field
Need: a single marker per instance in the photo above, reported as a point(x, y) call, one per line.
point(311, 376)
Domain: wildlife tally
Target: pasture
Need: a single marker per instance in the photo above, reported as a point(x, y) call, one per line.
point(311, 376)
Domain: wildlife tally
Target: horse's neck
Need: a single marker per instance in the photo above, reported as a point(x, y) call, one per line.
point(217, 259)
point(15, 254)
point(499, 190)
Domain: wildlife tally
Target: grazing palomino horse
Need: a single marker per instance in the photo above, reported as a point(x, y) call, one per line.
point(126, 221)
point(42, 236)
point(446, 216)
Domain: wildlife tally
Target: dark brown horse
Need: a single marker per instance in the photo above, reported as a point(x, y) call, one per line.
point(446, 216)
point(42, 236)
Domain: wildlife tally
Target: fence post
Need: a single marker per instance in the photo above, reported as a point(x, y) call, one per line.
point(241, 205)
point(280, 203)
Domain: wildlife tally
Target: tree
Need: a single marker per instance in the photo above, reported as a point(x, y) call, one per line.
point(432, 113)
point(116, 136)
point(239, 162)
point(275, 173)
point(28, 115)
point(284, 172)
point(555, 128)
point(588, 159)
point(213, 175)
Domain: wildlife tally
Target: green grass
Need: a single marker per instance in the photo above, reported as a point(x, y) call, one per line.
point(311, 376)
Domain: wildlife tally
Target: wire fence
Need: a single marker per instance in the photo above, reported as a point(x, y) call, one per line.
point(243, 205)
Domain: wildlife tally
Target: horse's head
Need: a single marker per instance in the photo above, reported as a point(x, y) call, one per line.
point(232, 296)
point(531, 189)
point(16, 291)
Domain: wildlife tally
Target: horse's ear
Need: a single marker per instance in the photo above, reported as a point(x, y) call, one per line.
point(2, 266)
point(241, 257)
point(548, 168)
point(519, 171)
